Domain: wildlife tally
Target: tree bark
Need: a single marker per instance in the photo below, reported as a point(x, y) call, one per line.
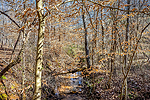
point(126, 52)
point(126, 49)
point(86, 40)
point(39, 52)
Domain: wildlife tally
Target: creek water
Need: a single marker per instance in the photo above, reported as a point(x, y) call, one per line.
point(69, 83)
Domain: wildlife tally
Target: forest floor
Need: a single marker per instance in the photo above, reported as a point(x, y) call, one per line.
point(107, 94)
point(138, 83)
point(136, 91)
point(138, 86)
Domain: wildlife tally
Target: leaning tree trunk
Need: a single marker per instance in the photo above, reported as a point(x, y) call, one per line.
point(39, 52)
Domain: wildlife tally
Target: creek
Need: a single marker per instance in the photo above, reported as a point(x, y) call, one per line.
point(68, 83)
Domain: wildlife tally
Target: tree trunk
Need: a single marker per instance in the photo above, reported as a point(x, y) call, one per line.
point(127, 33)
point(39, 52)
point(23, 62)
point(2, 33)
point(126, 51)
point(86, 40)
point(113, 48)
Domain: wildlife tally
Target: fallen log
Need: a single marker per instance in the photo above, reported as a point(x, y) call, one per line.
point(71, 71)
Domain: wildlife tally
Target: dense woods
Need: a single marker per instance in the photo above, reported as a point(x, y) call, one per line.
point(74, 49)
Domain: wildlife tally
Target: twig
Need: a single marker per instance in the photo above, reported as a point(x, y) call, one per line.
point(5, 61)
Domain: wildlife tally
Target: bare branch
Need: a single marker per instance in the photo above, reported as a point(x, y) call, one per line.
point(18, 59)
point(145, 12)
point(130, 63)
point(10, 18)
point(19, 38)
point(90, 19)
point(49, 11)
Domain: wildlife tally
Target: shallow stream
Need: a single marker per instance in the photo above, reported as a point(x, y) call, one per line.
point(69, 83)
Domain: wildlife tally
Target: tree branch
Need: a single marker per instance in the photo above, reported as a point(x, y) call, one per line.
point(19, 32)
point(130, 62)
point(90, 18)
point(145, 12)
point(14, 62)
point(49, 11)
point(10, 18)
point(18, 59)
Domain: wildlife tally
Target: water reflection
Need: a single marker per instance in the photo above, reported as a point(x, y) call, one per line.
point(70, 83)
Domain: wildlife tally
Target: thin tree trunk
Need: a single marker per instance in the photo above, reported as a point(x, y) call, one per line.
point(86, 40)
point(125, 56)
point(127, 33)
point(23, 72)
point(113, 48)
point(23, 62)
point(2, 33)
